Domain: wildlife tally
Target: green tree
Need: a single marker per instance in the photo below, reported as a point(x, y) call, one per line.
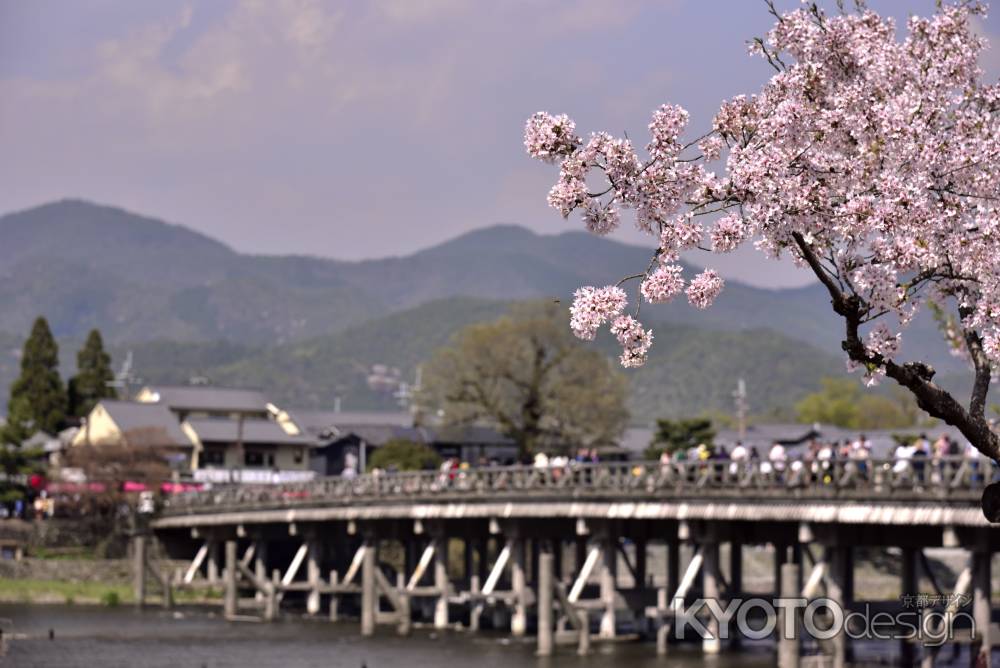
point(842, 403)
point(674, 435)
point(527, 376)
point(404, 455)
point(93, 376)
point(37, 397)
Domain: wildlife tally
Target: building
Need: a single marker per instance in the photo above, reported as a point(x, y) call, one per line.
point(222, 433)
point(351, 437)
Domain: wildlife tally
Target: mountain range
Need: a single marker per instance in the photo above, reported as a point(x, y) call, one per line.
point(308, 327)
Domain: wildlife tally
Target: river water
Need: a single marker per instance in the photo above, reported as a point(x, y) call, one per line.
point(99, 637)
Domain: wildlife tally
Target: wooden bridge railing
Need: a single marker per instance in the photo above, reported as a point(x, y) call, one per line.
point(954, 479)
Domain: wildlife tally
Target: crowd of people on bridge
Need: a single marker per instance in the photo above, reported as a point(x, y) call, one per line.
point(921, 458)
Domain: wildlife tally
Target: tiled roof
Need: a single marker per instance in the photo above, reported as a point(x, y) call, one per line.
point(224, 430)
point(316, 421)
point(146, 424)
point(206, 398)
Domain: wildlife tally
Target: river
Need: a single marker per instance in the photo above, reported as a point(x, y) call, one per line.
point(100, 637)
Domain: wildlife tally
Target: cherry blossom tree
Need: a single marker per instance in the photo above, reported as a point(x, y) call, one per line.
point(871, 159)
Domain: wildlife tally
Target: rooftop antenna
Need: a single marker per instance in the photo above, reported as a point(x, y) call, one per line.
point(124, 378)
point(740, 395)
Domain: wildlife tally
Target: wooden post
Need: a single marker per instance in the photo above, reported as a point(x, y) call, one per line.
point(230, 601)
point(270, 600)
point(608, 567)
point(788, 618)
point(544, 584)
point(673, 566)
point(580, 552)
point(403, 611)
point(982, 608)
point(441, 582)
point(212, 567)
point(519, 618)
point(710, 591)
point(313, 576)
point(536, 550)
point(467, 555)
point(368, 595)
point(139, 567)
point(482, 553)
point(475, 611)
point(664, 630)
point(735, 569)
point(780, 557)
point(260, 565)
point(640, 563)
point(334, 597)
point(836, 586)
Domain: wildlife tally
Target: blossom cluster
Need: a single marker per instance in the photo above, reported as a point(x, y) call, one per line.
point(872, 157)
point(592, 307)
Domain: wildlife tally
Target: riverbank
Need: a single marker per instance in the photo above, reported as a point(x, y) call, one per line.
point(68, 592)
point(78, 581)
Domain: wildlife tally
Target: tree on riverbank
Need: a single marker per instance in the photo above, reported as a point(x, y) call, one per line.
point(93, 378)
point(37, 398)
point(525, 375)
point(871, 160)
point(402, 455)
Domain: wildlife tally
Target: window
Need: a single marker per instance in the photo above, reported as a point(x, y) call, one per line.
point(297, 456)
point(253, 458)
point(213, 457)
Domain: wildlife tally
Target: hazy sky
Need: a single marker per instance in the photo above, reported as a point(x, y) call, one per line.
point(349, 129)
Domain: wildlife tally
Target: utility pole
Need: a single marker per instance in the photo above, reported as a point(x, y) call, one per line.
point(740, 395)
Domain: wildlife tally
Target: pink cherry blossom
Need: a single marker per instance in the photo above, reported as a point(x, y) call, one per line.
point(704, 288)
point(663, 284)
point(592, 307)
point(635, 340)
point(549, 137)
point(871, 157)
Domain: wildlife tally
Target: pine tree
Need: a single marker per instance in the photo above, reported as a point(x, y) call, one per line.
point(37, 397)
point(93, 375)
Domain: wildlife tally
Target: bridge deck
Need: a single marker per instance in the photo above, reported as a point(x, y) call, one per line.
point(928, 492)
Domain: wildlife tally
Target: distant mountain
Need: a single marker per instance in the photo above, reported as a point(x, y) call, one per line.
point(142, 280)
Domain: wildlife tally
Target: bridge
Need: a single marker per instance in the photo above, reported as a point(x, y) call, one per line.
point(524, 548)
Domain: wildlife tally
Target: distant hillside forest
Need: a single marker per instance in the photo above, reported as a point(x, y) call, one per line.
point(309, 329)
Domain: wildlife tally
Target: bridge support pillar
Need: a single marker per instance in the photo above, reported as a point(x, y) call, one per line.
point(544, 583)
point(260, 564)
point(780, 559)
point(788, 618)
point(735, 569)
point(483, 554)
point(229, 602)
point(441, 582)
point(139, 567)
point(640, 563)
point(608, 570)
point(982, 607)
point(710, 591)
point(314, 576)
point(673, 566)
point(836, 590)
point(369, 601)
point(212, 562)
point(518, 583)
point(469, 566)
